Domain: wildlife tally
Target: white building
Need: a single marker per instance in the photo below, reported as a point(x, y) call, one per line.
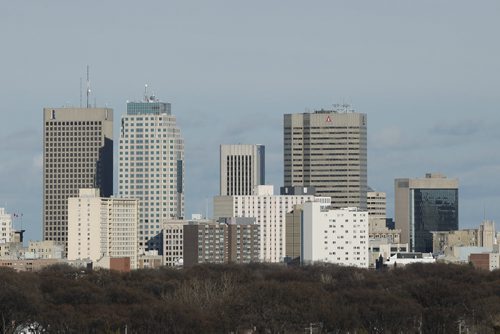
point(337, 236)
point(269, 211)
point(242, 168)
point(102, 227)
point(402, 259)
point(151, 167)
point(5, 226)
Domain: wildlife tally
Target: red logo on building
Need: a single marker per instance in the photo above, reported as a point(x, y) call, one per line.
point(328, 119)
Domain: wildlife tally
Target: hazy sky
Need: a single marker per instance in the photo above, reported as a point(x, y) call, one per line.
point(425, 72)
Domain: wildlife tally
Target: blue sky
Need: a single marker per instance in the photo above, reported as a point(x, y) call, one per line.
point(425, 72)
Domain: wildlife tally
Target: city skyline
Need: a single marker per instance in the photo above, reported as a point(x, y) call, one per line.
point(429, 87)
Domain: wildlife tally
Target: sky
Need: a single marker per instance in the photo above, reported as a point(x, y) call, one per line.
point(425, 72)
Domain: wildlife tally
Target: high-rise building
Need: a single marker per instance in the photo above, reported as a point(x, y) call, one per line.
point(270, 211)
point(151, 167)
point(229, 240)
point(327, 149)
point(425, 205)
point(102, 228)
point(242, 168)
point(77, 153)
point(334, 236)
point(6, 230)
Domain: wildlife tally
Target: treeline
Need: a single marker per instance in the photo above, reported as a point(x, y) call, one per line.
point(266, 298)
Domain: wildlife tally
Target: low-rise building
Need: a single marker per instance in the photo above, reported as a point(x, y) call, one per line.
point(384, 248)
point(485, 261)
point(402, 259)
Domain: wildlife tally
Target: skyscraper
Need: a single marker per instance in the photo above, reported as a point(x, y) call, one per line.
point(242, 168)
point(425, 205)
point(151, 167)
point(327, 149)
point(77, 153)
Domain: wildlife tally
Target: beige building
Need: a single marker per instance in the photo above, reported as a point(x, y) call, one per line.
point(242, 168)
point(77, 153)
point(5, 226)
point(425, 205)
point(48, 249)
point(327, 150)
point(173, 241)
point(151, 167)
point(101, 227)
point(270, 211)
point(446, 243)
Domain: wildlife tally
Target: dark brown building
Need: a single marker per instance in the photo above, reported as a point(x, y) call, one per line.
point(228, 240)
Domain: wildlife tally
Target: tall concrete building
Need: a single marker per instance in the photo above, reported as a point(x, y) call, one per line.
point(6, 229)
point(102, 228)
point(242, 168)
point(425, 205)
point(151, 167)
point(327, 149)
point(77, 153)
point(229, 240)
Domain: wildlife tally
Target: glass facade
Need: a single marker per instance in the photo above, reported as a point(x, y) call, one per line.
point(431, 210)
point(148, 108)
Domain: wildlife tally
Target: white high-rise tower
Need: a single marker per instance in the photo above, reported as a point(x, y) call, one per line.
point(151, 166)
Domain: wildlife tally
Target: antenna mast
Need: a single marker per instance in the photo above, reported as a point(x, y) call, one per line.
point(88, 87)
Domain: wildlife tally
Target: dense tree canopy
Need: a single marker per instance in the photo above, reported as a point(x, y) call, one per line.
point(433, 298)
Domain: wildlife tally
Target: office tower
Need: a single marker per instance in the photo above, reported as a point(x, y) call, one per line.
point(326, 149)
point(376, 204)
point(229, 240)
point(5, 226)
point(151, 167)
point(270, 211)
point(242, 168)
point(425, 205)
point(334, 236)
point(487, 234)
point(77, 153)
point(102, 228)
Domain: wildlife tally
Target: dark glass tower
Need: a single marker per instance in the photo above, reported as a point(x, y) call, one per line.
point(433, 210)
point(425, 205)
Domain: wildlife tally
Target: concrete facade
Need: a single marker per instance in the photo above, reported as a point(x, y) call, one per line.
point(77, 153)
point(151, 167)
point(424, 205)
point(101, 227)
point(5, 226)
point(327, 150)
point(242, 168)
point(270, 211)
point(337, 236)
point(229, 240)
point(173, 241)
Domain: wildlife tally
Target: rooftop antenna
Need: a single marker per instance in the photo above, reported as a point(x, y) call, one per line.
point(146, 99)
point(80, 92)
point(88, 87)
